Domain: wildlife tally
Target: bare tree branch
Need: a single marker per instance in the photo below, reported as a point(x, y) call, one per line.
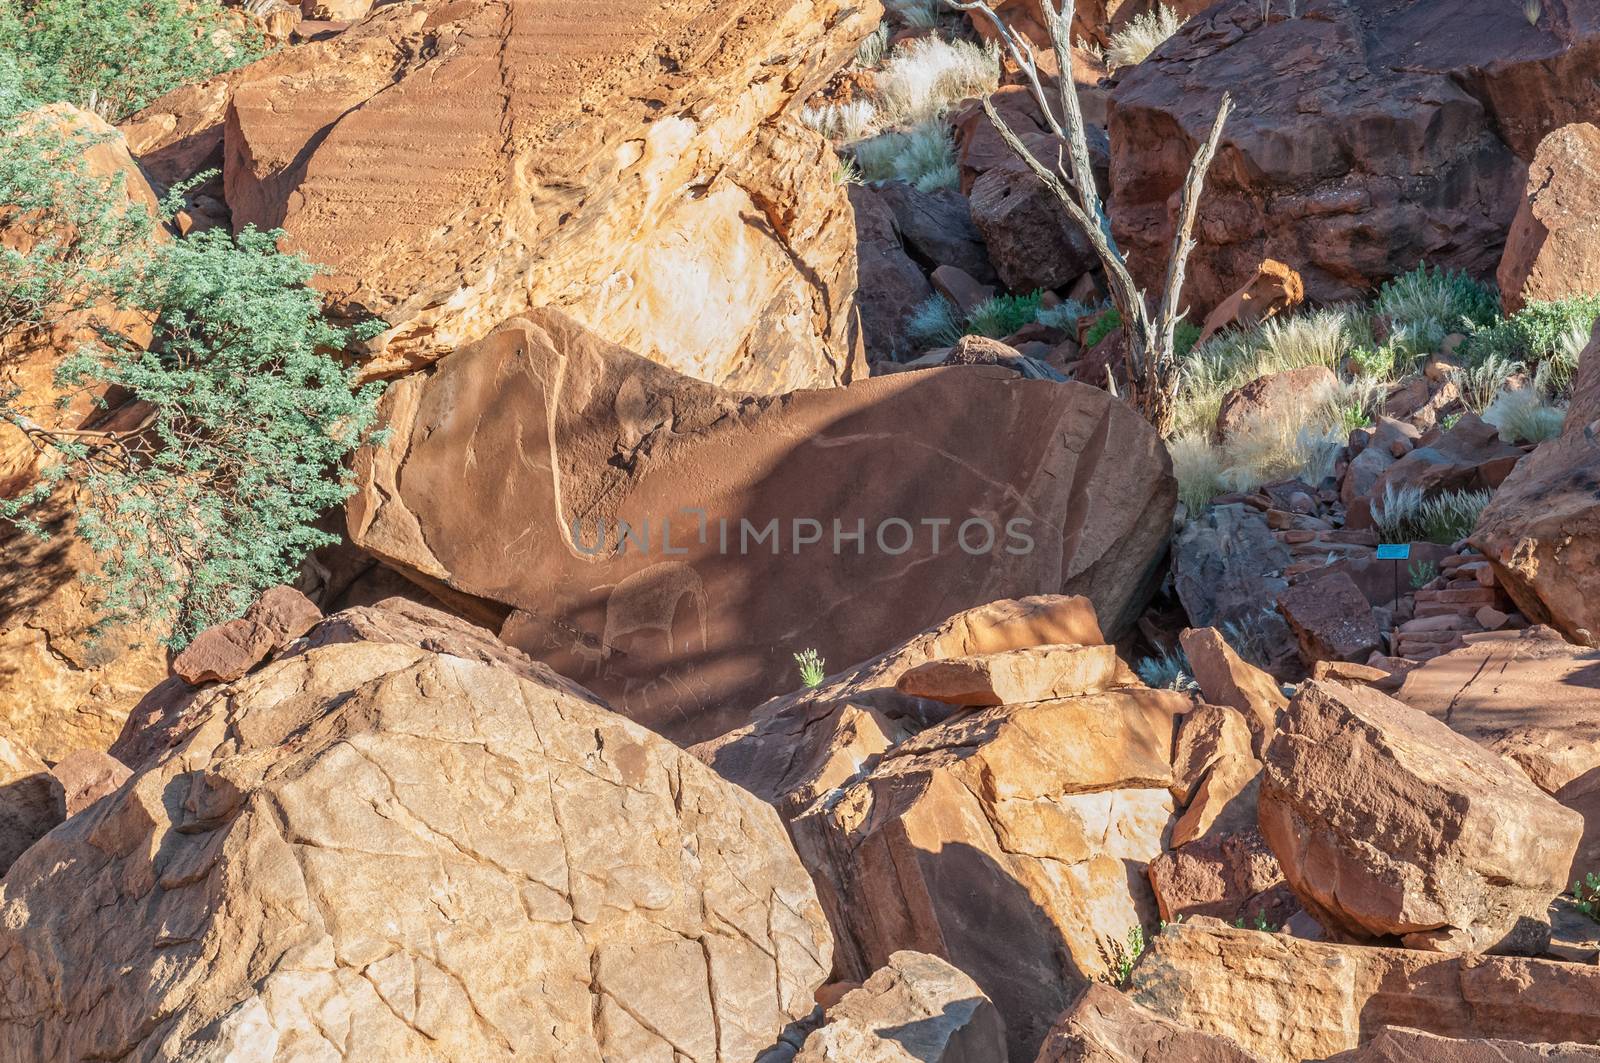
point(1152, 361)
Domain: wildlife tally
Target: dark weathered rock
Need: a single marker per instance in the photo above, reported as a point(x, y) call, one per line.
point(1368, 136)
point(892, 285)
point(1332, 619)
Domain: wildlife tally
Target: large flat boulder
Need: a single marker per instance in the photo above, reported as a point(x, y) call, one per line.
point(1396, 1044)
point(1530, 696)
point(432, 857)
point(1105, 1026)
point(1009, 841)
point(755, 527)
point(1287, 1000)
point(1367, 137)
point(454, 163)
point(1388, 824)
point(1553, 249)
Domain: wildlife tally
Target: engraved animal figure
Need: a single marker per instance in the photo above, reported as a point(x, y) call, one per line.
point(648, 600)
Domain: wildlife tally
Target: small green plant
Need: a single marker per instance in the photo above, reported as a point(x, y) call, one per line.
point(1531, 10)
point(1103, 326)
point(1261, 923)
point(812, 668)
point(1124, 957)
point(1064, 315)
point(1422, 573)
point(1002, 315)
point(1586, 895)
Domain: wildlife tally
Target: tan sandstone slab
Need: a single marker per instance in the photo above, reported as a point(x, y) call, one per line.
point(1008, 841)
point(1288, 1000)
point(441, 857)
point(1015, 676)
point(455, 163)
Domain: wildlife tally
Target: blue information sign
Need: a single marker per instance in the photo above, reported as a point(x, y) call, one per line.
point(1394, 551)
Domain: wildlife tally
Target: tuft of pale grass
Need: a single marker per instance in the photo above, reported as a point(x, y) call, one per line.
point(922, 156)
point(842, 121)
point(918, 14)
point(1480, 383)
point(934, 323)
point(1144, 34)
point(1405, 514)
point(1197, 465)
point(1523, 416)
point(925, 77)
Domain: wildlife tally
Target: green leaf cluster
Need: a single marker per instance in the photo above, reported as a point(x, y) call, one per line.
point(115, 56)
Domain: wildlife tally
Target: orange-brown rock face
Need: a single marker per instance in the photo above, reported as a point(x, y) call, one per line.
point(511, 469)
point(1553, 249)
point(456, 163)
point(1368, 136)
point(1009, 841)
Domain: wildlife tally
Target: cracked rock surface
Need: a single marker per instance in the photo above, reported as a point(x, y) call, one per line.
point(376, 852)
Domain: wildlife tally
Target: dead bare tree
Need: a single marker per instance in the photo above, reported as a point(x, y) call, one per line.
point(1153, 370)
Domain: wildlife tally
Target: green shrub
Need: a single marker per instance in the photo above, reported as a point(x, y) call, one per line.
point(80, 226)
point(1537, 333)
point(1002, 315)
point(115, 56)
point(1102, 327)
point(249, 420)
point(1426, 305)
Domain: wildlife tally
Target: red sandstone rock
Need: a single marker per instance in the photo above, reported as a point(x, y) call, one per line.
point(534, 442)
point(1358, 117)
point(1331, 618)
point(1387, 824)
point(1553, 249)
